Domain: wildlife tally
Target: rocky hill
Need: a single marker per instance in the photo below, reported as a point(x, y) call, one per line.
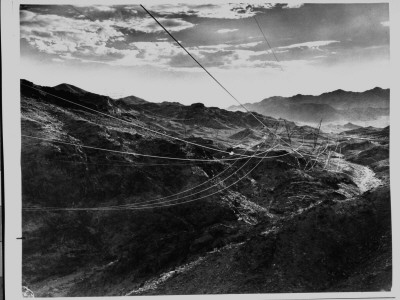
point(129, 197)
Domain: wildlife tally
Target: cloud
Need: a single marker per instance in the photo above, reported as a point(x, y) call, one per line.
point(315, 45)
point(212, 47)
point(218, 47)
point(88, 40)
point(148, 25)
point(226, 30)
point(58, 35)
point(221, 11)
point(101, 41)
point(248, 45)
point(293, 5)
point(385, 24)
point(168, 55)
point(224, 56)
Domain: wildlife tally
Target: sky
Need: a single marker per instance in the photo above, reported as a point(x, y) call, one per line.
point(119, 50)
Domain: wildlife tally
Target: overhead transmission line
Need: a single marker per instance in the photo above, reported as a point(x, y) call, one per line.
point(173, 200)
point(192, 188)
point(158, 202)
point(265, 38)
point(143, 203)
point(144, 207)
point(140, 154)
point(187, 190)
point(122, 163)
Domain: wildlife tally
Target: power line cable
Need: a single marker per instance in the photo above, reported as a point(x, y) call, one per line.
point(213, 178)
point(201, 66)
point(150, 206)
point(138, 154)
point(203, 190)
point(122, 206)
point(141, 203)
point(265, 37)
point(123, 163)
point(158, 202)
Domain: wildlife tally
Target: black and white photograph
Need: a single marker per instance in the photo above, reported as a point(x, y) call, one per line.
point(200, 148)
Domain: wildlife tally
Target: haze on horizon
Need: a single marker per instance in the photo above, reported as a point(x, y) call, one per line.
point(118, 50)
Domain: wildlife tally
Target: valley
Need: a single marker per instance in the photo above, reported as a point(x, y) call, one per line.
point(129, 197)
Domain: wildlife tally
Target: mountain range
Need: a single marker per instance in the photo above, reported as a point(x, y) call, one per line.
point(336, 106)
point(133, 107)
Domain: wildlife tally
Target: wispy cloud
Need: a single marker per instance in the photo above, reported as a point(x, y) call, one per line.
point(229, 46)
point(226, 30)
point(315, 45)
point(148, 25)
point(385, 24)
